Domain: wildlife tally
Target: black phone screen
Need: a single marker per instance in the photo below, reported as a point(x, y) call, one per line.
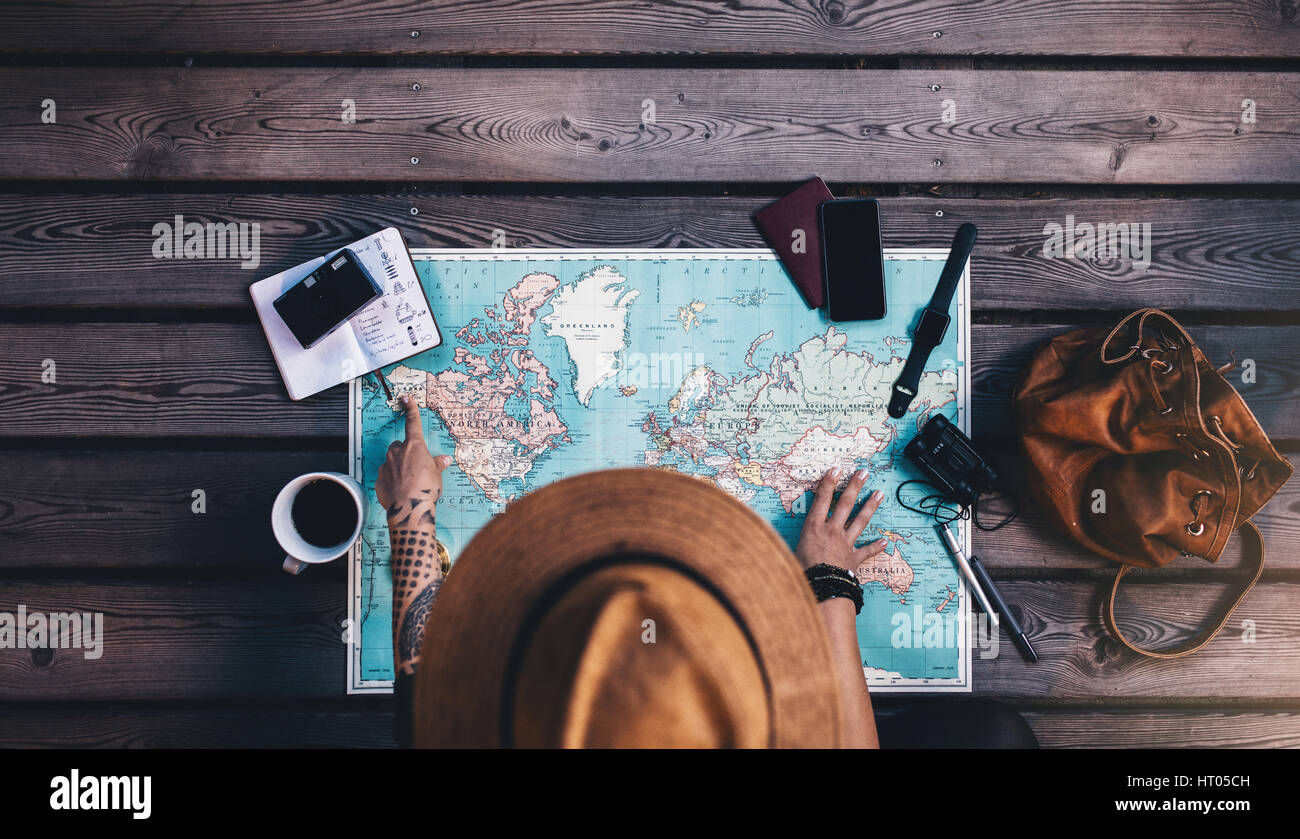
point(324, 299)
point(853, 265)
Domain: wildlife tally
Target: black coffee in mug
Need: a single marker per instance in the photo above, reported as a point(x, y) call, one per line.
point(324, 513)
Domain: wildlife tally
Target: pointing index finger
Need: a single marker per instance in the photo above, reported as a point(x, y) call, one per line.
point(414, 427)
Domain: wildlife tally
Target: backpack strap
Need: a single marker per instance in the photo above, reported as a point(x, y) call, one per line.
point(1252, 548)
point(1142, 315)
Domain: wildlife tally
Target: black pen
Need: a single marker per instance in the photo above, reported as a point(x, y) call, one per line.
point(990, 599)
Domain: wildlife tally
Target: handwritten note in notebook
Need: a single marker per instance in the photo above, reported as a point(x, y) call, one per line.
point(394, 327)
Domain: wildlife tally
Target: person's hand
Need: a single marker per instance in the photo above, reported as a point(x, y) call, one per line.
point(830, 536)
point(409, 485)
point(411, 477)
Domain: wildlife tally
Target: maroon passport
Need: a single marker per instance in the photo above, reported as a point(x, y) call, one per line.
point(791, 223)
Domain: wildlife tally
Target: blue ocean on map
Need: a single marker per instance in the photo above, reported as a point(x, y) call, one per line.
point(706, 362)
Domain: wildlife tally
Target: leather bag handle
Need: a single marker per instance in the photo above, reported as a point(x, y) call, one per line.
point(1142, 315)
point(1253, 547)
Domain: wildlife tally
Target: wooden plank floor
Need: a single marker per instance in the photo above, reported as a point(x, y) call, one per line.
point(1230, 28)
point(476, 120)
point(587, 125)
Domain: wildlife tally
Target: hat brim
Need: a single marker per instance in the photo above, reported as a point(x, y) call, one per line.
point(515, 564)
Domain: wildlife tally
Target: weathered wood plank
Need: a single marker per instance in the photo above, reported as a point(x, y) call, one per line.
point(130, 509)
point(1164, 729)
point(134, 509)
point(98, 250)
point(278, 636)
point(154, 380)
point(239, 729)
point(590, 125)
point(480, 27)
point(167, 380)
point(1080, 661)
point(226, 728)
point(165, 641)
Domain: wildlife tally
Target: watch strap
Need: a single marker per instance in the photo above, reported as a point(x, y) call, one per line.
point(928, 334)
point(908, 382)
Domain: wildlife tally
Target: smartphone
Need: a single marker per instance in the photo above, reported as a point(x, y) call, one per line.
point(326, 298)
point(853, 265)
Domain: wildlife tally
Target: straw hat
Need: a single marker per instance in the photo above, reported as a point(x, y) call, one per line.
point(631, 607)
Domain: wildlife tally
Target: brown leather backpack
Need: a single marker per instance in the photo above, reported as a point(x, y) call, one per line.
point(1139, 449)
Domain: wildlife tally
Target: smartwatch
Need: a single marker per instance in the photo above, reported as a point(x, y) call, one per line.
point(933, 325)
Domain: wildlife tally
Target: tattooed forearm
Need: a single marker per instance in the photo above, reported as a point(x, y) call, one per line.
point(417, 576)
point(413, 512)
point(421, 516)
point(411, 633)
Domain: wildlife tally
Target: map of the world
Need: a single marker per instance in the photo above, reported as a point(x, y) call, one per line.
point(707, 362)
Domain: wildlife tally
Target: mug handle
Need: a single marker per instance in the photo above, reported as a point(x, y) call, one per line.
point(294, 566)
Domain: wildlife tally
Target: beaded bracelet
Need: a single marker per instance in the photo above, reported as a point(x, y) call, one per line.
point(829, 581)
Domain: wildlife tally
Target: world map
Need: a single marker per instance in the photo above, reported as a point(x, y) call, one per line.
point(706, 362)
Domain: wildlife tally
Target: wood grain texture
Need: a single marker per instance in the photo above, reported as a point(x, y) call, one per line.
point(79, 509)
point(533, 27)
point(588, 125)
point(276, 637)
point(132, 510)
point(97, 250)
point(1164, 729)
point(282, 638)
point(222, 727)
point(155, 381)
point(211, 728)
point(177, 380)
point(209, 644)
point(1080, 661)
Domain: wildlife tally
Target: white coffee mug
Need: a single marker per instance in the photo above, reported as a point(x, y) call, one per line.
point(299, 552)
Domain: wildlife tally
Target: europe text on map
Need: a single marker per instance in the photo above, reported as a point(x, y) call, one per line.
point(708, 362)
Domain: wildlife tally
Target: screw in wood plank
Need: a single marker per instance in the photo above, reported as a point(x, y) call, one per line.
point(415, 33)
point(415, 161)
point(935, 88)
point(938, 213)
point(416, 87)
point(415, 211)
point(938, 162)
point(938, 34)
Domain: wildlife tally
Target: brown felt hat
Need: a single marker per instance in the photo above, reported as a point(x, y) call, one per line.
point(626, 608)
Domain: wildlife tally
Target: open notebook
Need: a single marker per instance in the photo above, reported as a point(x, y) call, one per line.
point(396, 326)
